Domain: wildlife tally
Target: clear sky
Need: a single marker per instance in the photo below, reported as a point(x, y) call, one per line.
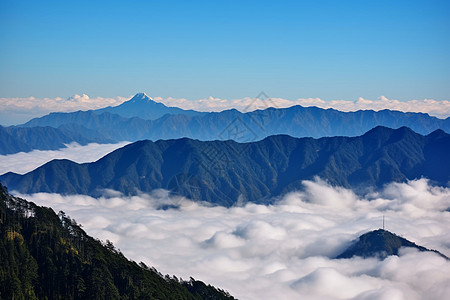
point(289, 49)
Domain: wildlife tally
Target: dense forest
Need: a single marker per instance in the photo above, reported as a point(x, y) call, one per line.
point(44, 255)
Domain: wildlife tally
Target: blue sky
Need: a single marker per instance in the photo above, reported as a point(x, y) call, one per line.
point(229, 49)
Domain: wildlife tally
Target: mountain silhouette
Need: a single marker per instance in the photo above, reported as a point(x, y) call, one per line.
point(144, 107)
point(135, 120)
point(220, 172)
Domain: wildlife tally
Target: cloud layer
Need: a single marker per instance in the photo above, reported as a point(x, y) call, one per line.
point(436, 108)
point(283, 250)
point(22, 162)
point(15, 111)
point(20, 110)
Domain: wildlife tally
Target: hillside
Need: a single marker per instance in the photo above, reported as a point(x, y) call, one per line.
point(222, 171)
point(49, 256)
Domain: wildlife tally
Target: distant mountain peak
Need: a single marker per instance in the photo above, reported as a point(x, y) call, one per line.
point(140, 97)
point(380, 243)
point(144, 107)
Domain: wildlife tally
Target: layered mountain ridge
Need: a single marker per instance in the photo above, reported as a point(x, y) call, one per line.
point(221, 172)
point(142, 118)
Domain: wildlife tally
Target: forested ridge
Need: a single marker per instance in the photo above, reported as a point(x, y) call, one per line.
point(221, 172)
point(44, 255)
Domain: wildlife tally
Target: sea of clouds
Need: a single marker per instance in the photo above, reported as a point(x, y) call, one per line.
point(281, 251)
point(15, 111)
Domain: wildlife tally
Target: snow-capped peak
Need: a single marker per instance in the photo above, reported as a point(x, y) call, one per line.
point(140, 97)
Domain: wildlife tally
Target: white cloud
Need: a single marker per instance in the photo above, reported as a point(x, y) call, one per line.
point(432, 107)
point(22, 162)
point(80, 99)
point(20, 110)
point(282, 250)
point(15, 111)
point(436, 108)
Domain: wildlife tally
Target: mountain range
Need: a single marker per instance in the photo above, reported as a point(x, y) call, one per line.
point(221, 172)
point(142, 118)
point(380, 244)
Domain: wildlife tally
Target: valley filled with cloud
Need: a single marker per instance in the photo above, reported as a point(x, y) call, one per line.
point(283, 250)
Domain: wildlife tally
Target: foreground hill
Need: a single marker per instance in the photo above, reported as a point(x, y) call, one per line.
point(380, 243)
point(49, 256)
point(220, 172)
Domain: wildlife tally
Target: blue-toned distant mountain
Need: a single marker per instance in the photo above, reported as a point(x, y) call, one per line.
point(133, 121)
point(221, 172)
point(142, 106)
point(127, 121)
point(24, 139)
point(380, 244)
point(296, 121)
point(107, 125)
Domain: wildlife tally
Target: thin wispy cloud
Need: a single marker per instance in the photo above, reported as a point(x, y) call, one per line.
point(20, 110)
point(262, 252)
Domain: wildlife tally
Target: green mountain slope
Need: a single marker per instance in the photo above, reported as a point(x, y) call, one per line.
point(49, 256)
